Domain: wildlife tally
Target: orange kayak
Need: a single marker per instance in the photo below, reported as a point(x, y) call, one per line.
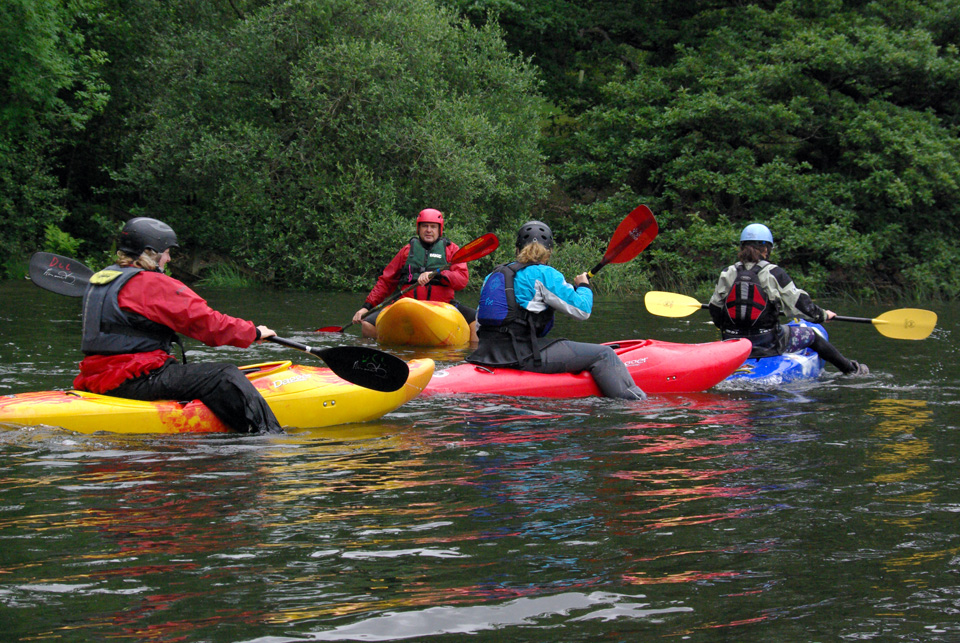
point(411, 322)
point(300, 396)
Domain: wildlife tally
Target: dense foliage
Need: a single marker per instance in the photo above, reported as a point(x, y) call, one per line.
point(833, 122)
point(297, 138)
point(300, 138)
point(49, 90)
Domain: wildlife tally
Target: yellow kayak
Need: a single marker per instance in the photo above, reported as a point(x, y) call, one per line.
point(411, 322)
point(300, 396)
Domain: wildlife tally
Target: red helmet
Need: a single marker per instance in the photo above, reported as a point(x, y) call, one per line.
point(431, 216)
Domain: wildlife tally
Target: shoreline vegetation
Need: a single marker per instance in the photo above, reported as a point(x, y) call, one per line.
point(300, 137)
point(571, 258)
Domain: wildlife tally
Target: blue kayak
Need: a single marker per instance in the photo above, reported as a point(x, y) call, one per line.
point(783, 369)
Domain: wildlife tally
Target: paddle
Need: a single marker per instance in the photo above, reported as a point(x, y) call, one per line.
point(902, 323)
point(366, 367)
point(61, 275)
point(633, 234)
point(479, 247)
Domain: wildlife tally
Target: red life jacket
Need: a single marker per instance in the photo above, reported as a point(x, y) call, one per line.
point(749, 310)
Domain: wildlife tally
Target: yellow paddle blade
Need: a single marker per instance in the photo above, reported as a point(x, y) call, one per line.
point(906, 323)
point(670, 304)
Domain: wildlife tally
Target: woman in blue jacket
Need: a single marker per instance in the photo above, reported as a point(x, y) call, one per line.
point(517, 304)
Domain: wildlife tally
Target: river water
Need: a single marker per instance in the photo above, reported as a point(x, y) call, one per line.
point(827, 512)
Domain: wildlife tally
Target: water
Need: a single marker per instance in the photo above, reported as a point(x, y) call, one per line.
point(819, 513)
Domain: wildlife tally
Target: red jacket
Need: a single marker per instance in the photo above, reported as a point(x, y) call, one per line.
point(164, 300)
point(443, 288)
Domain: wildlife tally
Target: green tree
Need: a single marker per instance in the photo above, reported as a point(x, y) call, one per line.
point(302, 137)
point(834, 122)
point(49, 89)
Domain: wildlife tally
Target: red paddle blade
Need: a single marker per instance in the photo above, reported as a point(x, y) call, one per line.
point(330, 329)
point(479, 247)
point(633, 234)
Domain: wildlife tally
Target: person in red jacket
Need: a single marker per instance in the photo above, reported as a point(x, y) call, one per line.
point(132, 313)
point(423, 261)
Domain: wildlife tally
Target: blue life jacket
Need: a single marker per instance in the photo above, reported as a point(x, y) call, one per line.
point(110, 330)
point(505, 325)
point(498, 304)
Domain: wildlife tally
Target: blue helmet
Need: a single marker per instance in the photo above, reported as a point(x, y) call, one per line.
point(757, 232)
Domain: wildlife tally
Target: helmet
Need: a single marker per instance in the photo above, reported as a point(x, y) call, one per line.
point(431, 216)
point(141, 233)
point(534, 231)
point(757, 232)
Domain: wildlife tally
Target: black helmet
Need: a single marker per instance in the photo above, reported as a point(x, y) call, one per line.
point(143, 232)
point(534, 231)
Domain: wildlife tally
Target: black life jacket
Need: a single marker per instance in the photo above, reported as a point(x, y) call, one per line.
point(421, 260)
point(749, 311)
point(110, 330)
point(505, 327)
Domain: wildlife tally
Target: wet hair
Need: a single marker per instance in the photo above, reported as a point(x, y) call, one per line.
point(534, 252)
point(148, 259)
point(753, 251)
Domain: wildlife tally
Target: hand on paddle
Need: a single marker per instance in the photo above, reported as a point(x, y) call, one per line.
point(357, 317)
point(266, 333)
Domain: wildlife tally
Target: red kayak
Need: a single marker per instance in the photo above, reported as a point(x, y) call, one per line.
point(656, 367)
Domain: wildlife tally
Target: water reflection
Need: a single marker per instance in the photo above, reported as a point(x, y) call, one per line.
point(902, 458)
point(822, 514)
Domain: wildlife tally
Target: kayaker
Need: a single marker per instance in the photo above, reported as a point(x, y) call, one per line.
point(517, 304)
point(422, 261)
point(132, 313)
point(752, 294)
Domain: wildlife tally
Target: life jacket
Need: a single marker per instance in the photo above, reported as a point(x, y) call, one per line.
point(422, 260)
point(110, 330)
point(749, 311)
point(502, 319)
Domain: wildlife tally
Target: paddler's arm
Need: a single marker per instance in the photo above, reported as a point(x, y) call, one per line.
point(574, 300)
point(388, 280)
point(172, 303)
point(795, 301)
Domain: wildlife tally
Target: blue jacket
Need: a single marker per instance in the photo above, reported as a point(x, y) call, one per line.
point(539, 290)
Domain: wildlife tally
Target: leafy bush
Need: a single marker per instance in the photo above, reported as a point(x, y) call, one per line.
point(50, 83)
point(306, 136)
point(799, 117)
point(222, 275)
point(59, 242)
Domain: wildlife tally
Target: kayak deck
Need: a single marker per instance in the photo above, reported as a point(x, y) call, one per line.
point(411, 322)
point(300, 396)
point(770, 372)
